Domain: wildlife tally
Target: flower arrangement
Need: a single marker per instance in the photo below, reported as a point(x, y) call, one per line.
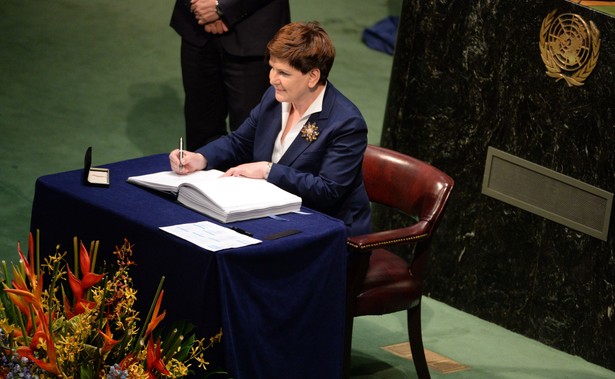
point(84, 325)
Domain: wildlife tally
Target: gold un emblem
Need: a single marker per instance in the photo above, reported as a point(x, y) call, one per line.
point(568, 47)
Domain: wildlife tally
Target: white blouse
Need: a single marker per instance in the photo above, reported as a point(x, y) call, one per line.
point(280, 147)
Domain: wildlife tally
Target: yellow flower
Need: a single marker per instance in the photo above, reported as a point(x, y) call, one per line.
point(65, 341)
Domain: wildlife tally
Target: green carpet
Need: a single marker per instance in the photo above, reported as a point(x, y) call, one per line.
point(490, 352)
point(75, 74)
point(606, 9)
point(106, 74)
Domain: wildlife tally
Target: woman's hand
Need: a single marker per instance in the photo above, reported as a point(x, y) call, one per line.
point(256, 170)
point(190, 162)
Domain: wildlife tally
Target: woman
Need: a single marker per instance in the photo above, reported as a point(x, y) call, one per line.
point(304, 136)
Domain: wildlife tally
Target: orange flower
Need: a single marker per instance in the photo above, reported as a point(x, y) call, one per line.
point(79, 287)
point(27, 352)
point(154, 358)
point(23, 297)
point(42, 333)
point(28, 264)
point(108, 338)
point(156, 319)
point(29, 301)
point(20, 294)
point(20, 303)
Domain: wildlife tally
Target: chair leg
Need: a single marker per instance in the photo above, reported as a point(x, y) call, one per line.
point(357, 269)
point(347, 346)
point(416, 342)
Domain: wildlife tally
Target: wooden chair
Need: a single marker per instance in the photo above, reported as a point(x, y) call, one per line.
point(380, 281)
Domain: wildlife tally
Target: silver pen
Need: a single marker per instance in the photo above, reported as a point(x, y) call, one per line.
point(181, 153)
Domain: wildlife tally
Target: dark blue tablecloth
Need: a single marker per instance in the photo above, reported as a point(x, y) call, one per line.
point(280, 303)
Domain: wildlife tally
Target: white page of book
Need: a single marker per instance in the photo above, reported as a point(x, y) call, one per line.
point(169, 180)
point(238, 193)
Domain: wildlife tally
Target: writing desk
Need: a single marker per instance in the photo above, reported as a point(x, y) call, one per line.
point(280, 303)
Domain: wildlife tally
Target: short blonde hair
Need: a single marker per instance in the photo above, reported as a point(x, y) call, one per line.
point(305, 46)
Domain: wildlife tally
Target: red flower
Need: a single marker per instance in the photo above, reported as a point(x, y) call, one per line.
point(50, 367)
point(42, 333)
point(79, 287)
point(154, 359)
point(108, 338)
point(27, 264)
point(156, 319)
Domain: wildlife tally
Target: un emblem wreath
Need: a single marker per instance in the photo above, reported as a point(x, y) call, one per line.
point(568, 47)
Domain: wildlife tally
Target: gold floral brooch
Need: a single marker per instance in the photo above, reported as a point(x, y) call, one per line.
point(310, 132)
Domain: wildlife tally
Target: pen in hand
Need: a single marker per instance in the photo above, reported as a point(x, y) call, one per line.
point(181, 153)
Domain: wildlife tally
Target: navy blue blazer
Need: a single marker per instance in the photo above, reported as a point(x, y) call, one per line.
point(325, 173)
point(252, 24)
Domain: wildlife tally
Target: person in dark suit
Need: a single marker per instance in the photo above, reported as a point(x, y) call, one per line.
point(222, 60)
point(304, 136)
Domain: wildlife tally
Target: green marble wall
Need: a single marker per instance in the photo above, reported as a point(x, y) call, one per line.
point(468, 75)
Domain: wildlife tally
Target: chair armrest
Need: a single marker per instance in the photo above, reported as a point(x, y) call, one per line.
point(411, 234)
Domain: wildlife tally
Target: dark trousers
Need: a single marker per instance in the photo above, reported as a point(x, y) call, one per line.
point(218, 85)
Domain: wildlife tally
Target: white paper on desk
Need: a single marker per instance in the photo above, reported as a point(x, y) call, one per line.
point(210, 236)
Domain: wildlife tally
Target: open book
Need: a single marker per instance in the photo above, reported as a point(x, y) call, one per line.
point(226, 199)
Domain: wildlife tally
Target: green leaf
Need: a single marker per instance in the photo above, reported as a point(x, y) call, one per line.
point(87, 372)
